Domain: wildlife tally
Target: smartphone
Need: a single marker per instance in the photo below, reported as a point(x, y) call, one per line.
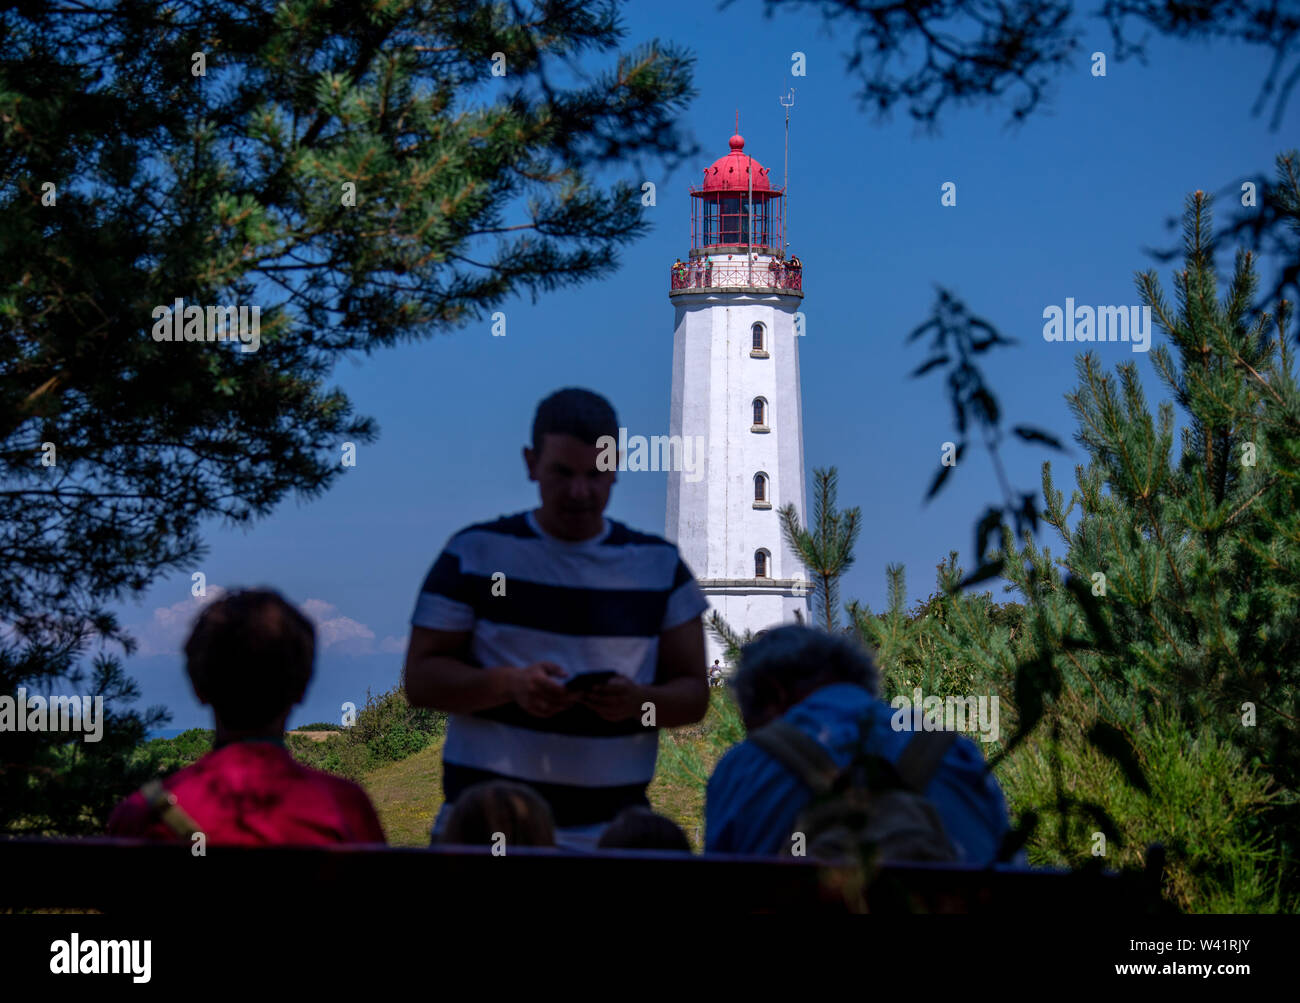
point(584, 681)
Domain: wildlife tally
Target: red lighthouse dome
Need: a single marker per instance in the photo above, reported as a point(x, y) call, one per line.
point(734, 171)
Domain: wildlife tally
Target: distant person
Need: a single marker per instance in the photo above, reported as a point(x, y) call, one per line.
point(639, 828)
point(499, 810)
point(826, 685)
point(715, 674)
point(250, 657)
point(515, 609)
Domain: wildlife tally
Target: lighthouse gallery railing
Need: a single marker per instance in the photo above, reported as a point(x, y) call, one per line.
point(712, 274)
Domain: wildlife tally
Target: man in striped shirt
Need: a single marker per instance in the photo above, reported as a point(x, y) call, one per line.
point(515, 608)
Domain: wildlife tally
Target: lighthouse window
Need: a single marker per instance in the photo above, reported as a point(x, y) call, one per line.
point(760, 487)
point(762, 228)
point(711, 224)
point(758, 337)
point(731, 221)
point(760, 411)
point(735, 220)
point(760, 563)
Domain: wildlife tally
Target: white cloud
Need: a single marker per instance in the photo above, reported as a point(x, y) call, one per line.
point(166, 631)
point(340, 633)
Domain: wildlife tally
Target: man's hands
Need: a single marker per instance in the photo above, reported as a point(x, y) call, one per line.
point(439, 674)
point(539, 689)
point(534, 688)
point(615, 700)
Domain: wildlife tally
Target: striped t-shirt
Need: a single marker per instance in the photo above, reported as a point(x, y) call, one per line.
point(588, 605)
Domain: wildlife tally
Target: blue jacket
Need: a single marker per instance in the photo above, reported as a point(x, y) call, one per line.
point(753, 801)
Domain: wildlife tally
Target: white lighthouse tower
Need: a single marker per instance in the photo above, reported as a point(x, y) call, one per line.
point(736, 388)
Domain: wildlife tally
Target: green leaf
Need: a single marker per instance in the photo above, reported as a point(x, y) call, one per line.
point(1029, 691)
point(988, 525)
point(925, 367)
point(1114, 744)
point(939, 478)
point(988, 405)
point(922, 329)
point(1082, 592)
point(1031, 434)
point(1101, 817)
point(981, 574)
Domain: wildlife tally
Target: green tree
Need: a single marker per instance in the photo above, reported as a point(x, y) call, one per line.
point(928, 54)
point(731, 642)
point(364, 173)
point(1164, 641)
point(826, 547)
point(951, 643)
point(1177, 591)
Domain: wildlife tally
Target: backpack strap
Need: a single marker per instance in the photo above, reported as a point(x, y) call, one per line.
point(921, 757)
point(798, 752)
point(162, 803)
point(806, 758)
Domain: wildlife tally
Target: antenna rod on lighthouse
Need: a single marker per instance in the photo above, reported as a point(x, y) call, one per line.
point(749, 173)
point(786, 190)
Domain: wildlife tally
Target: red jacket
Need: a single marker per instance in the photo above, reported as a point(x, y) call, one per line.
point(256, 793)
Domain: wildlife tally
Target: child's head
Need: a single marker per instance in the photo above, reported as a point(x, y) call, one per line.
point(500, 806)
point(250, 657)
point(639, 828)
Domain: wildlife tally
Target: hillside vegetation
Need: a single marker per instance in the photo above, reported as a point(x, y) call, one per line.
point(395, 752)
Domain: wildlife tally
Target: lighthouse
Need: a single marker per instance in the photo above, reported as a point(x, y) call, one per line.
point(735, 390)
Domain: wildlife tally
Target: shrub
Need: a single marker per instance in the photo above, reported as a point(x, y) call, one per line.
point(167, 755)
point(387, 729)
point(1206, 805)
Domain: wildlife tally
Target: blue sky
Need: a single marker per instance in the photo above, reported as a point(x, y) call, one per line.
point(1062, 206)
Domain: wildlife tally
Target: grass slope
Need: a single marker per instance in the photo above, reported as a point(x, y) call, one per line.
point(407, 794)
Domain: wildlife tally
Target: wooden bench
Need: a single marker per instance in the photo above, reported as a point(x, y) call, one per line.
point(127, 877)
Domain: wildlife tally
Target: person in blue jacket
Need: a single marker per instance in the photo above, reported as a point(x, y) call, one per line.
point(827, 686)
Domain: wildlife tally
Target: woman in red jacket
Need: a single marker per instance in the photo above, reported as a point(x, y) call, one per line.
point(250, 658)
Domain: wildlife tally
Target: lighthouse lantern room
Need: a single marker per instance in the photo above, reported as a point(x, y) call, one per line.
point(720, 208)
